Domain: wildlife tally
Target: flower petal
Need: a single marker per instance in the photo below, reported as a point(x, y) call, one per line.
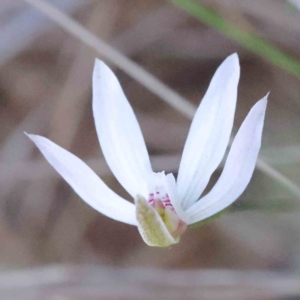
point(238, 168)
point(119, 133)
point(209, 133)
point(151, 227)
point(85, 182)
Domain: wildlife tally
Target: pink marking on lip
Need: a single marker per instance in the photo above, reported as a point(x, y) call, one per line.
point(165, 201)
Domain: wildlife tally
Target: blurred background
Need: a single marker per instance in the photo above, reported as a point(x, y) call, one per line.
point(53, 245)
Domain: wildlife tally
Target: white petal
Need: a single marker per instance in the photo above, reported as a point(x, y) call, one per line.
point(151, 227)
point(209, 133)
point(175, 200)
point(238, 168)
point(85, 182)
point(119, 133)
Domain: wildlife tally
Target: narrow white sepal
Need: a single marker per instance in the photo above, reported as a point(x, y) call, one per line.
point(119, 133)
point(151, 227)
point(85, 182)
point(209, 133)
point(238, 168)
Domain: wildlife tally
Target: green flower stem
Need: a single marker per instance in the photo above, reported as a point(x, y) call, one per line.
point(248, 40)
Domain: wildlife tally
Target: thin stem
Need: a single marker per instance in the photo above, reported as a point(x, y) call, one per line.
point(247, 39)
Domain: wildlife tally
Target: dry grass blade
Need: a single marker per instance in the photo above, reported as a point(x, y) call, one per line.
point(102, 281)
point(115, 57)
point(142, 76)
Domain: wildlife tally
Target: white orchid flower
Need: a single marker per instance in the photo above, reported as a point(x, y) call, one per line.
point(163, 208)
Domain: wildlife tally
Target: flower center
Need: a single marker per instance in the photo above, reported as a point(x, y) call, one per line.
point(161, 202)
